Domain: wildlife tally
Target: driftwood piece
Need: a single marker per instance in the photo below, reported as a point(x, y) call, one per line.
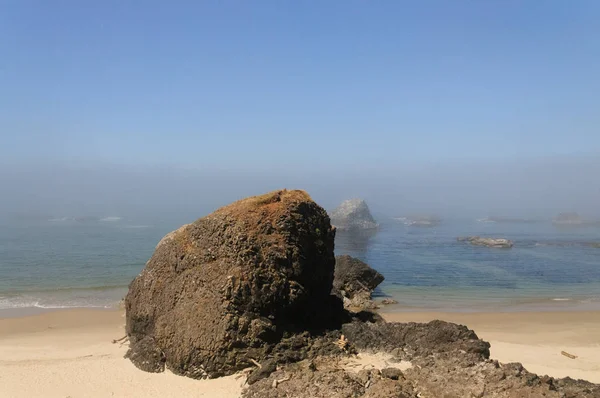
point(277, 382)
point(566, 354)
point(119, 340)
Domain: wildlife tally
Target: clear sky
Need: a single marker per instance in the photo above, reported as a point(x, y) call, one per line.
point(242, 84)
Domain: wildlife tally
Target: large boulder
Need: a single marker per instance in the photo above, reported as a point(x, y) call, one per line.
point(221, 292)
point(354, 280)
point(353, 214)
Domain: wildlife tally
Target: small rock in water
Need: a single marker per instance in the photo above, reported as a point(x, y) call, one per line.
point(488, 242)
point(354, 281)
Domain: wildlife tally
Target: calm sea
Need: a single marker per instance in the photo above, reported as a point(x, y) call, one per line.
point(63, 263)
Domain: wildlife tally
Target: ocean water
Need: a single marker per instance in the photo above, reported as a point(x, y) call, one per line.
point(67, 263)
point(548, 268)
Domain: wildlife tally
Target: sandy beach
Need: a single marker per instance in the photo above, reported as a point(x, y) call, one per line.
point(70, 353)
point(535, 339)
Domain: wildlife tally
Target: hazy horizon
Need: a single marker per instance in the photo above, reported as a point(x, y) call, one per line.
point(461, 109)
point(533, 188)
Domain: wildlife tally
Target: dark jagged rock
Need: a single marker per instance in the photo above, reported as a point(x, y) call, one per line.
point(228, 287)
point(353, 214)
point(354, 281)
point(353, 275)
point(488, 242)
point(447, 361)
point(416, 338)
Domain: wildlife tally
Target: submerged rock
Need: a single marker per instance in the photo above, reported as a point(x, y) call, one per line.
point(489, 242)
point(225, 289)
point(354, 281)
point(353, 214)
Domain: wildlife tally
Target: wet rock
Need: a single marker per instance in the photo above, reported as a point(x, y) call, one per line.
point(488, 242)
point(227, 288)
point(353, 214)
point(388, 301)
point(354, 281)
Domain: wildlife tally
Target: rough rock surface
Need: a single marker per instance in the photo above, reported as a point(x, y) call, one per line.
point(489, 242)
point(420, 339)
point(353, 214)
point(354, 281)
point(447, 360)
point(232, 286)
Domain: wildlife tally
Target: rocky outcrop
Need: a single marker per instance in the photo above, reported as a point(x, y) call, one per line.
point(488, 242)
point(355, 281)
point(353, 214)
point(445, 360)
point(249, 287)
point(225, 290)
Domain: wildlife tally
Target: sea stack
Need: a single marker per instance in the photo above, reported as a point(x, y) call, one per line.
point(224, 289)
point(353, 215)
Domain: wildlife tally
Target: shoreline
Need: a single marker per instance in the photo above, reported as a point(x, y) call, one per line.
point(69, 352)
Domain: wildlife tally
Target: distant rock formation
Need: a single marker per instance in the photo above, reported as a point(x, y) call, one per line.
point(355, 281)
point(489, 242)
point(421, 221)
point(227, 287)
point(574, 220)
point(353, 214)
point(568, 219)
point(509, 220)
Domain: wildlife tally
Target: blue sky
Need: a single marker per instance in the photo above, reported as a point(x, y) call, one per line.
point(262, 84)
